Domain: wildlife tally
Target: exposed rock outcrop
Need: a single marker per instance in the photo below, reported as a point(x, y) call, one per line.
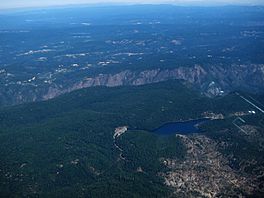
point(205, 172)
point(194, 75)
point(211, 80)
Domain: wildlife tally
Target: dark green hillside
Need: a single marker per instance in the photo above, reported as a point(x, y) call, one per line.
point(136, 106)
point(65, 148)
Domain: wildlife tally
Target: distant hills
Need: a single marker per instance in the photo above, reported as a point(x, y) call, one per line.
point(48, 52)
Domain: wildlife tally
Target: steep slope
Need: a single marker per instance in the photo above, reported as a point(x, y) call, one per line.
point(211, 80)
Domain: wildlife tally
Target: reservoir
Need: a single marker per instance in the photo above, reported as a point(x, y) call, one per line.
point(185, 127)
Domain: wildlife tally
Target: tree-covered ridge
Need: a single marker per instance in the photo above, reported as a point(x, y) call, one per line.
point(65, 146)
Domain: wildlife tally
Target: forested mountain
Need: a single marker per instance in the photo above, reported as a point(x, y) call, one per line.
point(70, 146)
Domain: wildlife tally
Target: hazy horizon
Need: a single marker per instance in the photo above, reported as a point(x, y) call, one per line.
point(13, 4)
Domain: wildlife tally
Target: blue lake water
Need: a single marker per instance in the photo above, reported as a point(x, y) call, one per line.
point(185, 127)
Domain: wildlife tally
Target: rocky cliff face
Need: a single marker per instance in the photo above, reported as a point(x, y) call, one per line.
point(243, 77)
point(194, 75)
point(212, 80)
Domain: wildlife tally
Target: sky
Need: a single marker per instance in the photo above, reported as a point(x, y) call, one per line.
point(6, 4)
